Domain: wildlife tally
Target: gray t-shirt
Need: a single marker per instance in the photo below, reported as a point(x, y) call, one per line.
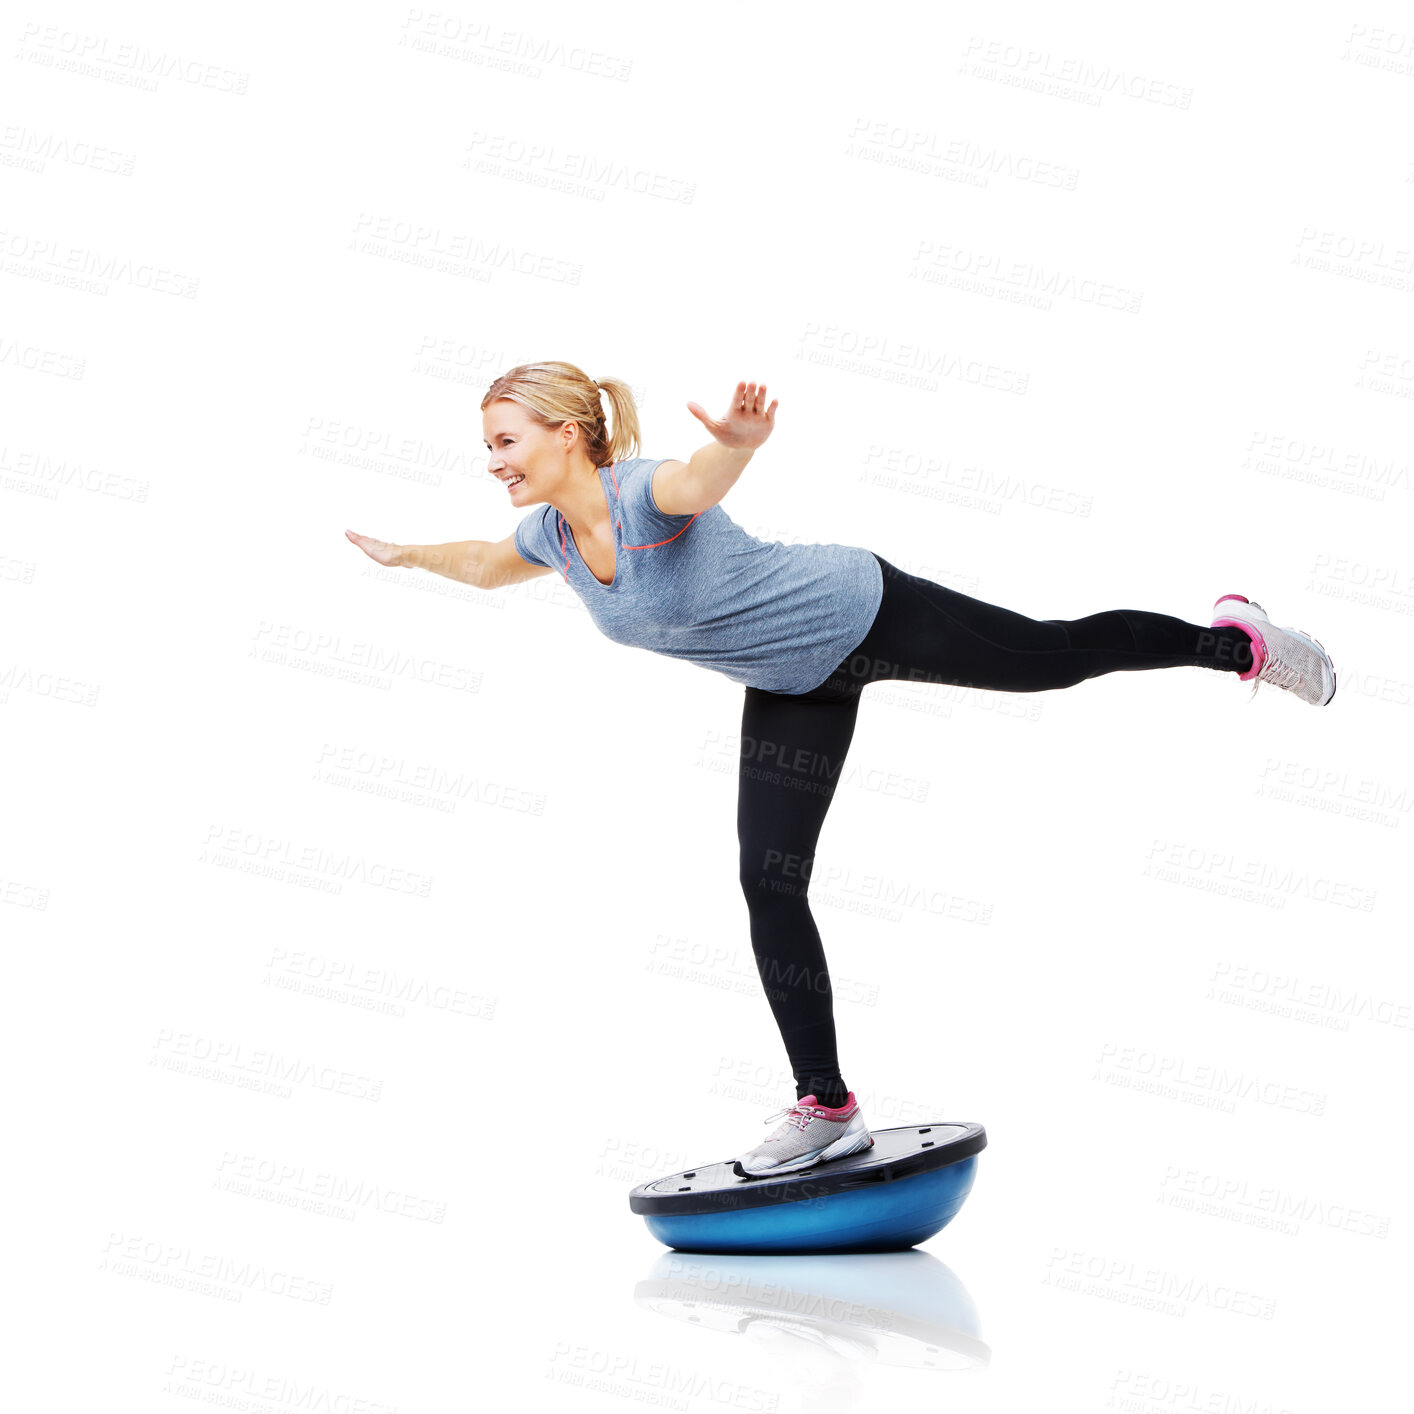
point(769, 615)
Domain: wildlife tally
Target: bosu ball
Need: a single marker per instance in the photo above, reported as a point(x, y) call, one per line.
point(895, 1194)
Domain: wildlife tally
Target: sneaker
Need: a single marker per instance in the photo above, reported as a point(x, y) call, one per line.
point(1288, 658)
point(811, 1134)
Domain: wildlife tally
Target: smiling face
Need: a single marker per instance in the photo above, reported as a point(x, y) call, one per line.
point(521, 453)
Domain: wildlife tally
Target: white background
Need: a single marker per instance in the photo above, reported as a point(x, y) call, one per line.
point(1069, 310)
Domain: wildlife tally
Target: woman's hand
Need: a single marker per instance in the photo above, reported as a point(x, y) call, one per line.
point(378, 550)
point(744, 425)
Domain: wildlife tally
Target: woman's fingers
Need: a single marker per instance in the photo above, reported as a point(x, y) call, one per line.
point(378, 550)
point(744, 423)
point(750, 398)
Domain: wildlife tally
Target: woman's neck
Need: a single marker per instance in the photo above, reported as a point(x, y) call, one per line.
point(583, 503)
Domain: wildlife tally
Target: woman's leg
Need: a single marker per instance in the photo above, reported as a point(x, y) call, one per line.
point(793, 750)
point(925, 632)
point(792, 755)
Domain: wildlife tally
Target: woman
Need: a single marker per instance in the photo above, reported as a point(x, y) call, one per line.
point(805, 628)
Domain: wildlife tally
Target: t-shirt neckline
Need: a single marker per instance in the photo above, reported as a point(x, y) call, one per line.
point(613, 530)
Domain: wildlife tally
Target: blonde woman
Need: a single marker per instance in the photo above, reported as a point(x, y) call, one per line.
point(658, 563)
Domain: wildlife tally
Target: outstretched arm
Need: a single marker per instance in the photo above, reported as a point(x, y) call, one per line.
point(484, 564)
point(688, 488)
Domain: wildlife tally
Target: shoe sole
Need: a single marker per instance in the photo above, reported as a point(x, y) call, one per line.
point(822, 1157)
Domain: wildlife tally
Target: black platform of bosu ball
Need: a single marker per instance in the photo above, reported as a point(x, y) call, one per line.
point(891, 1196)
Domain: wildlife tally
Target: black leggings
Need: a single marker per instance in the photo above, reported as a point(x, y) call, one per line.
point(793, 749)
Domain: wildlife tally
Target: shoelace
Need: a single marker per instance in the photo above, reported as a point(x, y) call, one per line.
point(1278, 673)
point(799, 1115)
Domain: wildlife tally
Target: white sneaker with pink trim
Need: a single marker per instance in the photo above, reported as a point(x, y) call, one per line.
point(1288, 658)
point(810, 1134)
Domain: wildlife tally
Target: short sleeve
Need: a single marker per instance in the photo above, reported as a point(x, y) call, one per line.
point(649, 525)
point(530, 538)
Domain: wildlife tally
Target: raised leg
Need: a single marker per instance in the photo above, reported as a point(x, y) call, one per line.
point(926, 632)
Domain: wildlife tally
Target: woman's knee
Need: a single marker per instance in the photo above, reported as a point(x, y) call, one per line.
point(1109, 631)
point(772, 877)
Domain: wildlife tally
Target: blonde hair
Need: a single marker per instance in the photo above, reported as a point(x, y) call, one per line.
point(554, 393)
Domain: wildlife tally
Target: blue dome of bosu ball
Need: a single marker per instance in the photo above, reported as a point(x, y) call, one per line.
point(892, 1196)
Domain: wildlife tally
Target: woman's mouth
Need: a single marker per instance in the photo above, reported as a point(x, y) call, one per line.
point(514, 480)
